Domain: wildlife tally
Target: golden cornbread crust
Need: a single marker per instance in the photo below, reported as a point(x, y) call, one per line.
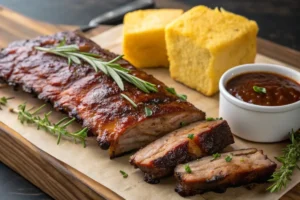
point(144, 36)
point(203, 43)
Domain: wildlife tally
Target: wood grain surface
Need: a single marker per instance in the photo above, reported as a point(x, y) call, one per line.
point(54, 177)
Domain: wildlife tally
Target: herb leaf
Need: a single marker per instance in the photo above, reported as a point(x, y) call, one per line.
point(213, 119)
point(191, 136)
point(228, 158)
point(125, 175)
point(181, 96)
point(110, 68)
point(289, 159)
point(58, 129)
point(187, 169)
point(259, 89)
point(215, 156)
point(182, 124)
point(4, 100)
point(129, 100)
point(148, 112)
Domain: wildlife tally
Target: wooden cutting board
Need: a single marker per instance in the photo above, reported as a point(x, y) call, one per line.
point(33, 153)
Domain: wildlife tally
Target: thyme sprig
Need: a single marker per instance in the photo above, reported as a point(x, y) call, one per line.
point(289, 160)
point(124, 174)
point(59, 129)
point(111, 68)
point(4, 100)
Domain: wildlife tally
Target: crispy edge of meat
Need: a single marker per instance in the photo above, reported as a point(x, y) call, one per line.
point(210, 139)
point(219, 183)
point(158, 127)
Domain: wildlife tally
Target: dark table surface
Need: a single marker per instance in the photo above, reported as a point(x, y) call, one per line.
point(278, 21)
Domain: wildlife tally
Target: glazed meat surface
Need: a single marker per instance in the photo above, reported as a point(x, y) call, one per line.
point(93, 97)
point(159, 158)
point(247, 166)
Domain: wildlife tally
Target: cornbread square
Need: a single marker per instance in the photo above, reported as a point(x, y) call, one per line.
point(203, 43)
point(144, 36)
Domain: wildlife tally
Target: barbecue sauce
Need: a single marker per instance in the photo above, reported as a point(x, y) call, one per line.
point(279, 90)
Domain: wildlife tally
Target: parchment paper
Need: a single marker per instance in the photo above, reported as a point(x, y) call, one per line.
point(96, 164)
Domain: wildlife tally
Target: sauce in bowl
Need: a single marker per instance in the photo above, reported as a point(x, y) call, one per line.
point(263, 88)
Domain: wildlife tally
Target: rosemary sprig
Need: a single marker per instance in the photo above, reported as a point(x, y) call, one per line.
point(110, 68)
point(289, 160)
point(129, 100)
point(58, 128)
point(4, 100)
point(173, 91)
point(213, 119)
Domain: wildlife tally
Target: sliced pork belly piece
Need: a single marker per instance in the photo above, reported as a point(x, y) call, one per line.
point(92, 97)
point(231, 169)
point(159, 158)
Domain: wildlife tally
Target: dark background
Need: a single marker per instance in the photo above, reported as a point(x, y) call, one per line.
point(279, 21)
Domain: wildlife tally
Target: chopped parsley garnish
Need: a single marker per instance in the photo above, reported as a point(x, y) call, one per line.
point(182, 124)
point(228, 158)
point(148, 112)
point(259, 89)
point(125, 175)
point(191, 136)
point(187, 169)
point(215, 156)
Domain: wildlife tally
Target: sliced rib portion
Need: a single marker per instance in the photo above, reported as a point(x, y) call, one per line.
point(159, 158)
point(93, 97)
point(208, 174)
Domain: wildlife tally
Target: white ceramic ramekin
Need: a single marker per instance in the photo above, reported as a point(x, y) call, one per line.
point(259, 123)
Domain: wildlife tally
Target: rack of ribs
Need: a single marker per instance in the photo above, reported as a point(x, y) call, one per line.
point(159, 158)
point(93, 98)
point(216, 174)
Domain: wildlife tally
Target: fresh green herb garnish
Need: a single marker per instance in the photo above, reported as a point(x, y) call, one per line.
point(110, 68)
point(187, 168)
point(148, 112)
point(129, 100)
point(125, 175)
point(3, 101)
point(190, 136)
point(58, 129)
point(181, 96)
point(182, 124)
point(215, 156)
point(259, 89)
point(289, 160)
point(228, 158)
point(213, 119)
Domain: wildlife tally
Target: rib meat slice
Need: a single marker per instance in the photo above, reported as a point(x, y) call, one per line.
point(93, 97)
point(246, 166)
point(159, 158)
